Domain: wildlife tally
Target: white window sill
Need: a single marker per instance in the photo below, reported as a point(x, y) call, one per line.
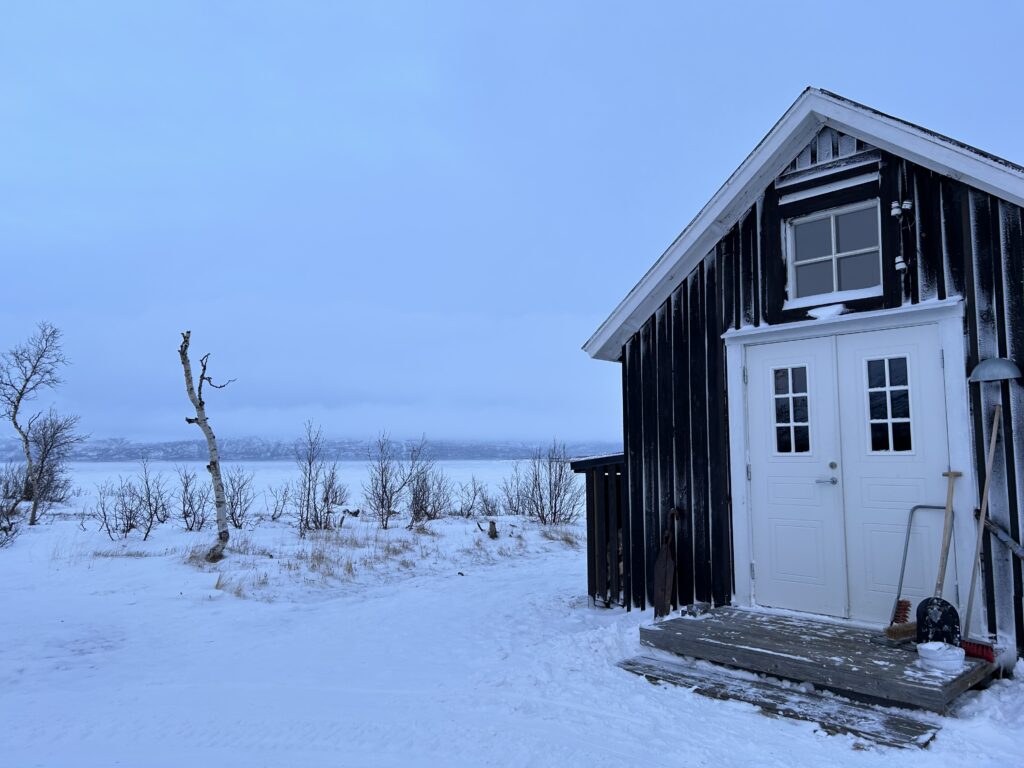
point(821, 299)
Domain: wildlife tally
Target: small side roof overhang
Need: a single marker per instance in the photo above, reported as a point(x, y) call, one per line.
point(814, 109)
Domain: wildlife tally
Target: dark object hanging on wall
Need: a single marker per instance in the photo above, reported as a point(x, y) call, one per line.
point(664, 576)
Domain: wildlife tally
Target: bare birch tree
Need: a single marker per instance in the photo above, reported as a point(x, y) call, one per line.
point(26, 370)
point(195, 395)
point(193, 499)
point(547, 489)
point(390, 477)
point(318, 495)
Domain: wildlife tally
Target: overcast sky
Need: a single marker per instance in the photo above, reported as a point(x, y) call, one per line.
point(408, 216)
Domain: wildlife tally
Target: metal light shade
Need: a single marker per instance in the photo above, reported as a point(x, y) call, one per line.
point(995, 369)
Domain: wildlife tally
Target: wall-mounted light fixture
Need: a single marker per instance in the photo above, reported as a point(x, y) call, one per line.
point(896, 210)
point(995, 369)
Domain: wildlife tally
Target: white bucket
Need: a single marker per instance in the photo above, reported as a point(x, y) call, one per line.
point(943, 656)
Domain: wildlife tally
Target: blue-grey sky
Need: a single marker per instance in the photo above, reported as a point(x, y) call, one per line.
point(408, 216)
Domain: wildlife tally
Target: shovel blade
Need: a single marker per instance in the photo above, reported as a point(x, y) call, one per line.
point(937, 620)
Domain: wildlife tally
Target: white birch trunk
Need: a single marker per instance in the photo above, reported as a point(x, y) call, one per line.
point(196, 396)
point(30, 472)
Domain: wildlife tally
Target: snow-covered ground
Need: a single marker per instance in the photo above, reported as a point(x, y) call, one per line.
point(367, 647)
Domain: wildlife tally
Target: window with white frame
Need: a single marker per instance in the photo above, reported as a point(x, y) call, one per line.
point(890, 428)
point(792, 418)
point(835, 252)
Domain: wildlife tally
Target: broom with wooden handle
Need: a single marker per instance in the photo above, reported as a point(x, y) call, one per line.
point(971, 647)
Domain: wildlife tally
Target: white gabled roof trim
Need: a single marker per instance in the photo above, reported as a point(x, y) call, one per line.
point(799, 125)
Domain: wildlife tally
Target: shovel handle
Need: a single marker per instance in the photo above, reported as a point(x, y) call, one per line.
point(947, 531)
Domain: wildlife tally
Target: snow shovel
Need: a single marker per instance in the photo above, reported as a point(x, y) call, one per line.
point(937, 619)
point(900, 627)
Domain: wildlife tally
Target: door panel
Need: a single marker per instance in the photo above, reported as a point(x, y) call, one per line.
point(796, 511)
point(894, 446)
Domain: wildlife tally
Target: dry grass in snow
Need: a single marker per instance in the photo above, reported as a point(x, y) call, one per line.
point(272, 560)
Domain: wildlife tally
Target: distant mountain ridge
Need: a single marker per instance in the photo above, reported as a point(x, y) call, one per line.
point(261, 449)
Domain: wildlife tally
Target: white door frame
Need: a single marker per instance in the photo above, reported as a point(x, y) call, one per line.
point(948, 316)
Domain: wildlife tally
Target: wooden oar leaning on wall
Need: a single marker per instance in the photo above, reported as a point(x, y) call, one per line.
point(975, 648)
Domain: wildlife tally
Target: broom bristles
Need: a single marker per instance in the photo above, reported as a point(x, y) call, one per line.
point(902, 614)
point(979, 650)
point(901, 631)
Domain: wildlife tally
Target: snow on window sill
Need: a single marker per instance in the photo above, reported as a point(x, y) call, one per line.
point(821, 299)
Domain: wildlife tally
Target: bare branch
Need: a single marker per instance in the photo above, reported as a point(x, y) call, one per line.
point(209, 381)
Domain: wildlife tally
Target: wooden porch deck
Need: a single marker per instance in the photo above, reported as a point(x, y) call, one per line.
point(854, 661)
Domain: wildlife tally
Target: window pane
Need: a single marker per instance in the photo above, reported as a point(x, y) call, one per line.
point(876, 373)
point(782, 441)
point(782, 381)
point(856, 230)
point(901, 436)
point(898, 372)
point(860, 271)
point(878, 410)
point(800, 409)
point(812, 279)
point(782, 410)
point(801, 439)
point(900, 403)
point(800, 379)
point(880, 437)
point(813, 239)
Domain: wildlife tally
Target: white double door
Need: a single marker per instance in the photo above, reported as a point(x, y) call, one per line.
point(846, 433)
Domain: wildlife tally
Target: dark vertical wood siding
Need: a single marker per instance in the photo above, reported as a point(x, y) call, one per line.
point(1011, 246)
point(624, 506)
point(958, 241)
point(649, 410)
point(698, 436)
point(634, 449)
point(666, 410)
point(681, 446)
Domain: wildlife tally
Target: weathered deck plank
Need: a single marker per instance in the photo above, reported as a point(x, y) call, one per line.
point(838, 656)
point(831, 713)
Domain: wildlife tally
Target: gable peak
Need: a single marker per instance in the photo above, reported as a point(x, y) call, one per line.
point(828, 145)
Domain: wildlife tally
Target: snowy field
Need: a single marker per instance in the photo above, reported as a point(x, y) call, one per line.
point(365, 647)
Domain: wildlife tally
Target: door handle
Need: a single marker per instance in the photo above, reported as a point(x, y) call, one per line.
point(828, 481)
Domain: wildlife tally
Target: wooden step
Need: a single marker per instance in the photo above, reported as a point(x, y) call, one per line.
point(844, 658)
point(832, 713)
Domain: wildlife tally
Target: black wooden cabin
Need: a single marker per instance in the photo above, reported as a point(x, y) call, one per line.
point(854, 262)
